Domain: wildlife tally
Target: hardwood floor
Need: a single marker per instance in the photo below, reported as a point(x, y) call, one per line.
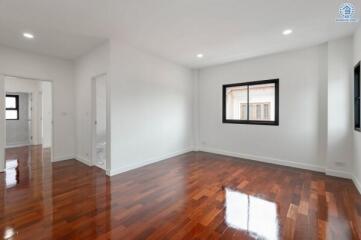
point(192, 196)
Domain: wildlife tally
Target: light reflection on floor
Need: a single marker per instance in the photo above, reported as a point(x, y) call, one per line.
point(251, 214)
point(9, 233)
point(12, 173)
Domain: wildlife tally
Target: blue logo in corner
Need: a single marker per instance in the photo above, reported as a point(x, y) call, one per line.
point(347, 13)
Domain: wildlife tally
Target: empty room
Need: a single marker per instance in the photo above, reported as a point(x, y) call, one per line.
point(180, 119)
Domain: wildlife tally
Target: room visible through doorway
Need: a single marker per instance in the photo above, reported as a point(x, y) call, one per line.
point(28, 113)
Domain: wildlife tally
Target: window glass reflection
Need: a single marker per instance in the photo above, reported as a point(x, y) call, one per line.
point(254, 215)
point(12, 173)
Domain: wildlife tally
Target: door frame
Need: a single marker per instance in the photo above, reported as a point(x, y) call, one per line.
point(30, 117)
point(93, 120)
point(3, 77)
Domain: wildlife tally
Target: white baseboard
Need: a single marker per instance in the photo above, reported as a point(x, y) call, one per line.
point(63, 158)
point(265, 159)
point(338, 173)
point(84, 160)
point(357, 183)
point(147, 162)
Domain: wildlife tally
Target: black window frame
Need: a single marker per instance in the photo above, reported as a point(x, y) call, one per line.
point(357, 73)
point(254, 122)
point(16, 107)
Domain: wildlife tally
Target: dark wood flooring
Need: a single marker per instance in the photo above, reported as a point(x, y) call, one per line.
point(192, 196)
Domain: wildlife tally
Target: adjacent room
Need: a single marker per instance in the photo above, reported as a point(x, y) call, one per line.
point(183, 119)
point(28, 112)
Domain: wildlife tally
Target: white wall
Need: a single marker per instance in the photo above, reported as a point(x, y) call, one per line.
point(90, 65)
point(151, 108)
point(300, 140)
point(2, 124)
point(47, 114)
point(340, 108)
point(60, 72)
point(357, 135)
point(34, 88)
point(195, 113)
point(101, 108)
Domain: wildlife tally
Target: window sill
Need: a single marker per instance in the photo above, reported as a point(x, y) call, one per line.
point(358, 129)
point(267, 123)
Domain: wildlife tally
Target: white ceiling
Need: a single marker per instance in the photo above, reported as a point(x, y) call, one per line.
point(62, 28)
point(223, 30)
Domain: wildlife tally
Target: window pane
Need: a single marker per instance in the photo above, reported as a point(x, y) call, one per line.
point(10, 102)
point(236, 103)
point(262, 102)
point(258, 111)
point(11, 114)
point(266, 112)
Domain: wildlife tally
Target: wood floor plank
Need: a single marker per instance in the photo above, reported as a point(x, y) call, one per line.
point(193, 196)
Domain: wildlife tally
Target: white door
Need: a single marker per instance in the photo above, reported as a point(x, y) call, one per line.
point(100, 121)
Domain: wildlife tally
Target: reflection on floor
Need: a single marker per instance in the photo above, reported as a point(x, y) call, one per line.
point(192, 196)
point(259, 217)
point(22, 158)
point(12, 172)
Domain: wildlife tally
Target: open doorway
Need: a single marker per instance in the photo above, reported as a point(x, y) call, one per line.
point(100, 118)
point(28, 113)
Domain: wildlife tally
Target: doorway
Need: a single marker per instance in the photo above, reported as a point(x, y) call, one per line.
point(100, 121)
point(28, 113)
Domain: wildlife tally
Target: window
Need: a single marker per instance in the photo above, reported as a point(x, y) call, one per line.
point(251, 102)
point(357, 96)
point(12, 107)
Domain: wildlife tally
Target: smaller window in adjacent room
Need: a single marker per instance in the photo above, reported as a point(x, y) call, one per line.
point(357, 96)
point(251, 102)
point(12, 107)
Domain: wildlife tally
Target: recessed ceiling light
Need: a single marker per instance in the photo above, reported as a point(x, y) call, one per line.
point(28, 35)
point(200, 55)
point(287, 32)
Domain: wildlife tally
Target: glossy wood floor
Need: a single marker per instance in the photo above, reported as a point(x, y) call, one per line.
point(193, 196)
